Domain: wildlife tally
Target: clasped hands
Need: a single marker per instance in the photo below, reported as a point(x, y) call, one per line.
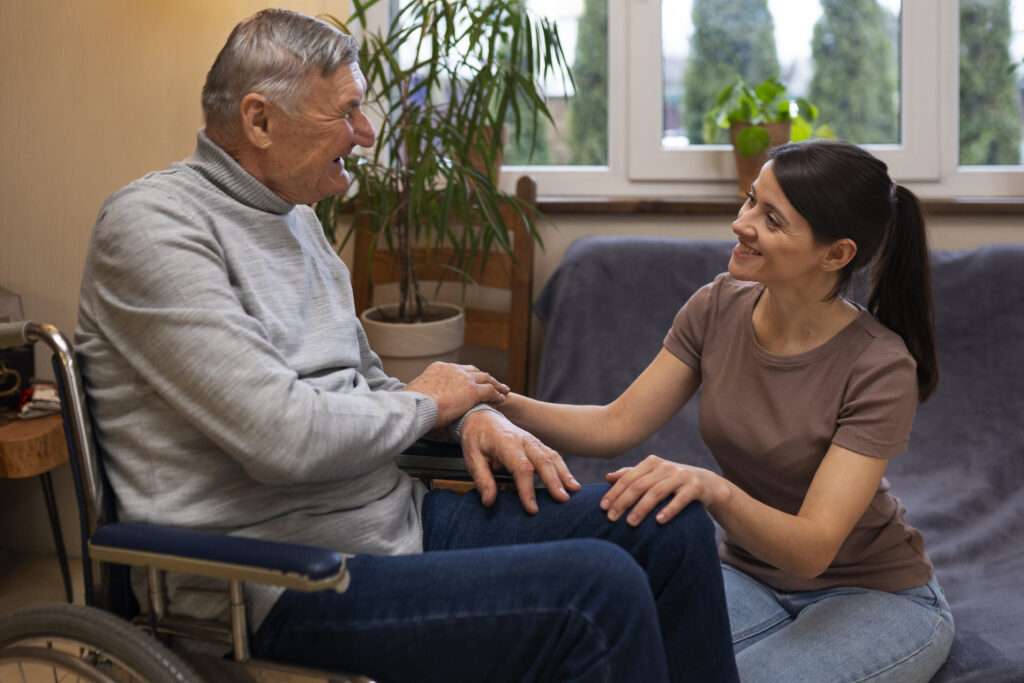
point(491, 442)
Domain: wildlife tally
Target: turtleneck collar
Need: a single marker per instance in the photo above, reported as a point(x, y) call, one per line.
point(215, 164)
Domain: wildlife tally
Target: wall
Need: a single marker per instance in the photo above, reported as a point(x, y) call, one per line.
point(94, 95)
point(98, 93)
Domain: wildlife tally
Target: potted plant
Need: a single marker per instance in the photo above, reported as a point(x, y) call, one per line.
point(757, 119)
point(443, 80)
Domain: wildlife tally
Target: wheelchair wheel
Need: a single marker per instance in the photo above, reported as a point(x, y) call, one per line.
point(69, 643)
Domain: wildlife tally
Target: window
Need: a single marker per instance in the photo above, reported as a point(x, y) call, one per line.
point(848, 62)
point(580, 134)
point(843, 56)
point(944, 108)
point(991, 82)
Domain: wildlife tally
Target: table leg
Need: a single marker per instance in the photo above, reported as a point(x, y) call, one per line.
point(58, 537)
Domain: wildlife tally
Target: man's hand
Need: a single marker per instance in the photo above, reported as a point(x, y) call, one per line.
point(490, 441)
point(456, 389)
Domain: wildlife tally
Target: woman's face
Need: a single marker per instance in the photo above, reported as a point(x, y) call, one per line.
point(776, 245)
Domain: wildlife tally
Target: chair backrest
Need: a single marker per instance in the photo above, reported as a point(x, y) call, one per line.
point(94, 498)
point(507, 331)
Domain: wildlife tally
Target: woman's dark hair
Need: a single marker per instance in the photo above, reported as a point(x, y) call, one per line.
point(845, 192)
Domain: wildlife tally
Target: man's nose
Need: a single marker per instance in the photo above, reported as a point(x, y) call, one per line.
point(364, 135)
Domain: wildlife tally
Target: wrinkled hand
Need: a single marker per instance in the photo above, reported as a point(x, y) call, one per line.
point(490, 441)
point(654, 479)
point(456, 389)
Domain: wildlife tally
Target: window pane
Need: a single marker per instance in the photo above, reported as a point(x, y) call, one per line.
point(991, 82)
point(842, 55)
point(580, 133)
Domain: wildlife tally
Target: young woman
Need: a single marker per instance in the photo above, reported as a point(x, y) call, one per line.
point(806, 396)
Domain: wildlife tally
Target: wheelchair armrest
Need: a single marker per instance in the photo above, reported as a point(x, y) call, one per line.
point(430, 459)
point(299, 567)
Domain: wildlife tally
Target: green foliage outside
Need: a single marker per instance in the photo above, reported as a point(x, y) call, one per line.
point(990, 123)
point(588, 113)
point(730, 40)
point(530, 145)
point(855, 83)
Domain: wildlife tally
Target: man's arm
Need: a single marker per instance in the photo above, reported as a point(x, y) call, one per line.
point(161, 294)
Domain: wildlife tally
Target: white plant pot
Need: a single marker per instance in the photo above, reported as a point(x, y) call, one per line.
point(406, 349)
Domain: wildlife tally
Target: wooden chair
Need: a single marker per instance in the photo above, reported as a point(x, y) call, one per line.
point(507, 331)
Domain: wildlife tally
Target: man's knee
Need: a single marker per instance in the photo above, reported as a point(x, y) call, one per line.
point(601, 571)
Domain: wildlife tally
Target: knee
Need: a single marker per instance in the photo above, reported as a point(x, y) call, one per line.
point(603, 569)
point(690, 533)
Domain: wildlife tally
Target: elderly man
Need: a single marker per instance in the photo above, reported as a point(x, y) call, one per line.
point(233, 389)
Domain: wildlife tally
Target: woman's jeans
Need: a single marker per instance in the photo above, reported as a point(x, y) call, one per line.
point(499, 595)
point(837, 635)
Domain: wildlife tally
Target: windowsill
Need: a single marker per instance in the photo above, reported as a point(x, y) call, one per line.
point(715, 206)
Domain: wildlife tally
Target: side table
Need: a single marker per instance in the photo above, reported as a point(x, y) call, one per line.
point(34, 448)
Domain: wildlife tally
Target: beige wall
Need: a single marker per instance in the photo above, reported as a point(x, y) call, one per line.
point(97, 93)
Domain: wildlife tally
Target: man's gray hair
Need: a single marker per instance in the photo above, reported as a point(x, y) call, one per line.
point(272, 53)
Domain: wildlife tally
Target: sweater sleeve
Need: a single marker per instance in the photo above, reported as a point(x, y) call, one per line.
point(162, 296)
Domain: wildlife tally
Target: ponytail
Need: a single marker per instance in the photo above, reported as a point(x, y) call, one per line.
point(901, 287)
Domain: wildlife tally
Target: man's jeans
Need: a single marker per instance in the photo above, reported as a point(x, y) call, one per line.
point(499, 595)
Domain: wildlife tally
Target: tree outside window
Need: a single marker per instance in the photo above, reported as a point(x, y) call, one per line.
point(990, 83)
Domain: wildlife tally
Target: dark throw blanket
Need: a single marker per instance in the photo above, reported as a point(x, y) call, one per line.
point(609, 304)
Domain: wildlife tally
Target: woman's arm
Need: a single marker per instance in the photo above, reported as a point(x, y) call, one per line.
point(803, 544)
point(604, 431)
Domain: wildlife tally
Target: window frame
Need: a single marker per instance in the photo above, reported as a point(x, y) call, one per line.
point(927, 160)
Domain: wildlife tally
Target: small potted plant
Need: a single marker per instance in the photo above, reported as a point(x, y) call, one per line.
point(443, 79)
point(757, 119)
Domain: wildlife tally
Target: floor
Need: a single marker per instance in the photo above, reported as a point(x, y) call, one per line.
point(27, 580)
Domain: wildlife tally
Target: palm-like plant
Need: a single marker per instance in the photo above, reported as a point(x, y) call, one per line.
point(443, 80)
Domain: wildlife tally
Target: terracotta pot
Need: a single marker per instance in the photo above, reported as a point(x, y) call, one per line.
point(747, 168)
point(406, 349)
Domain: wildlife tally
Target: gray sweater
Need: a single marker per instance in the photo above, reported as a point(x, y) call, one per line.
point(230, 380)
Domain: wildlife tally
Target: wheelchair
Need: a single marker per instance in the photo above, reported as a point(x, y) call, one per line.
point(108, 640)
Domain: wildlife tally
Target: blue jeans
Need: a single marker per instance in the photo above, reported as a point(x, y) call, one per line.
point(837, 635)
point(499, 595)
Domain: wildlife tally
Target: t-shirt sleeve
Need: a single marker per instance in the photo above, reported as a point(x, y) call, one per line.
point(879, 404)
point(685, 340)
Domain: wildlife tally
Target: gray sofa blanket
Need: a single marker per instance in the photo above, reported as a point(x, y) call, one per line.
point(609, 304)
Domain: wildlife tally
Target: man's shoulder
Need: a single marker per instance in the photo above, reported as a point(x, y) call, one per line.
point(165, 188)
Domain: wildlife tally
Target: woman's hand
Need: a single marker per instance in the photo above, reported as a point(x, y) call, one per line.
point(654, 479)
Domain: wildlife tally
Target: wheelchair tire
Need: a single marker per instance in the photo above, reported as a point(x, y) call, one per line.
point(88, 643)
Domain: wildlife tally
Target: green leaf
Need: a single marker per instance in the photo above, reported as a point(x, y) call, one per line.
point(768, 90)
point(806, 109)
point(799, 129)
point(752, 141)
point(825, 131)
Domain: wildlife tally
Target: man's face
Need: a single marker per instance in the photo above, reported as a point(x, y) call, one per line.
point(305, 161)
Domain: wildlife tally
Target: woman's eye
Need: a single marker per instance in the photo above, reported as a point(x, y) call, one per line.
point(773, 221)
point(750, 198)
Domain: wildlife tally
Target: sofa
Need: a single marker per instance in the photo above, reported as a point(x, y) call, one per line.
point(607, 307)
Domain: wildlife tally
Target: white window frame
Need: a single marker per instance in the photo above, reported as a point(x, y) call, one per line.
point(916, 158)
point(927, 160)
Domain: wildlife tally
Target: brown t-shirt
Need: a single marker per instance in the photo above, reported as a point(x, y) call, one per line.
point(769, 421)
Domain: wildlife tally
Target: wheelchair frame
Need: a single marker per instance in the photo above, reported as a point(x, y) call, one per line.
point(160, 549)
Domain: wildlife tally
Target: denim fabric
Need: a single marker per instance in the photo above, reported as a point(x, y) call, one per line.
point(499, 595)
point(839, 635)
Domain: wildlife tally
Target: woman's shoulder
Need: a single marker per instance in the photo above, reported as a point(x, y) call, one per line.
point(882, 357)
point(725, 293)
point(880, 342)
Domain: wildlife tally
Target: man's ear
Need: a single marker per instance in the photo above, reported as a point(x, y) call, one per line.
point(840, 253)
point(255, 113)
